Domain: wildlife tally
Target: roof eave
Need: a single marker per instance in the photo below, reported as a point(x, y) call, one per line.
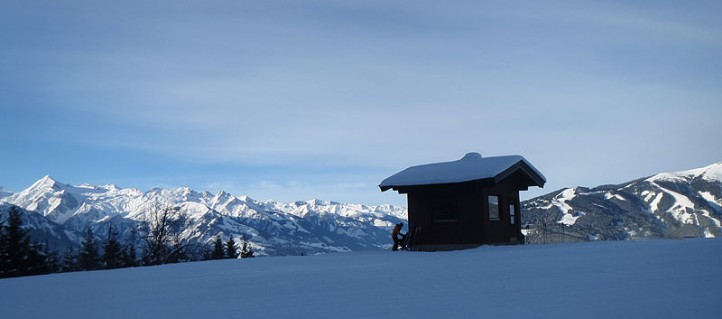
point(526, 169)
point(402, 189)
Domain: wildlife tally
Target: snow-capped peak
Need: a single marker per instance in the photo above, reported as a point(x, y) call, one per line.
point(317, 202)
point(41, 188)
point(111, 187)
point(45, 183)
point(222, 194)
point(245, 198)
point(712, 173)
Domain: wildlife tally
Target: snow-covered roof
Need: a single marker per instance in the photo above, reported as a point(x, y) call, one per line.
point(471, 167)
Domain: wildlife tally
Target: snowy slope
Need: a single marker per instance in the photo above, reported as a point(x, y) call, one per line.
point(666, 205)
point(623, 279)
point(61, 202)
point(41, 229)
point(711, 173)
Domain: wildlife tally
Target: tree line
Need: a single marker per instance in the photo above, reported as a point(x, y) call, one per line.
point(157, 242)
point(229, 249)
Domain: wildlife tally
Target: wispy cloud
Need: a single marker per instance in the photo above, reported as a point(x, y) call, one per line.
point(367, 86)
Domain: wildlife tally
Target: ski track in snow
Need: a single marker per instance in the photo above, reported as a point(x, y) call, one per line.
point(560, 201)
point(653, 206)
point(678, 210)
point(626, 279)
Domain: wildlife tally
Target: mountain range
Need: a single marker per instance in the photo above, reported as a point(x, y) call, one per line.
point(59, 214)
point(665, 205)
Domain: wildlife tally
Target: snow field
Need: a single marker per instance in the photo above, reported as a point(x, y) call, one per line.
point(629, 279)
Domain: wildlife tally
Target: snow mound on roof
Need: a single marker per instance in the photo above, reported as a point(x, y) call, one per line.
point(471, 156)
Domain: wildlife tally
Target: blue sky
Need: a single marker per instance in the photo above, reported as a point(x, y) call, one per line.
point(291, 100)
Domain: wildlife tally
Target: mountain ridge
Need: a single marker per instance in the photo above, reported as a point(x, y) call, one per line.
point(273, 228)
point(664, 205)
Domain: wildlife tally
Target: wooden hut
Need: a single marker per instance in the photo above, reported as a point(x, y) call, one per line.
point(465, 203)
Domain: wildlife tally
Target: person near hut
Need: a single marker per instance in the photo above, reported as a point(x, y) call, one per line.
point(398, 237)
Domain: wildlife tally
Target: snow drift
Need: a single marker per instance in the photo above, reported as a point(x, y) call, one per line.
point(622, 279)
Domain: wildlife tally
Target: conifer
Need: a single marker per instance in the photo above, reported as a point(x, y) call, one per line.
point(218, 252)
point(89, 259)
point(112, 251)
point(246, 249)
point(17, 256)
point(231, 248)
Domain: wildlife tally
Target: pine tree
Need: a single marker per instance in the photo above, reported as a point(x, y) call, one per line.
point(246, 249)
point(89, 259)
point(112, 251)
point(17, 256)
point(130, 253)
point(231, 248)
point(52, 259)
point(5, 265)
point(39, 260)
point(130, 256)
point(218, 252)
point(207, 254)
point(177, 253)
point(70, 260)
point(15, 245)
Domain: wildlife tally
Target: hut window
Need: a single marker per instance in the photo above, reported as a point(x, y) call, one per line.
point(493, 207)
point(512, 214)
point(445, 210)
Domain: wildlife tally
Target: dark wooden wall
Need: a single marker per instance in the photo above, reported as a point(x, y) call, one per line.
point(471, 226)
